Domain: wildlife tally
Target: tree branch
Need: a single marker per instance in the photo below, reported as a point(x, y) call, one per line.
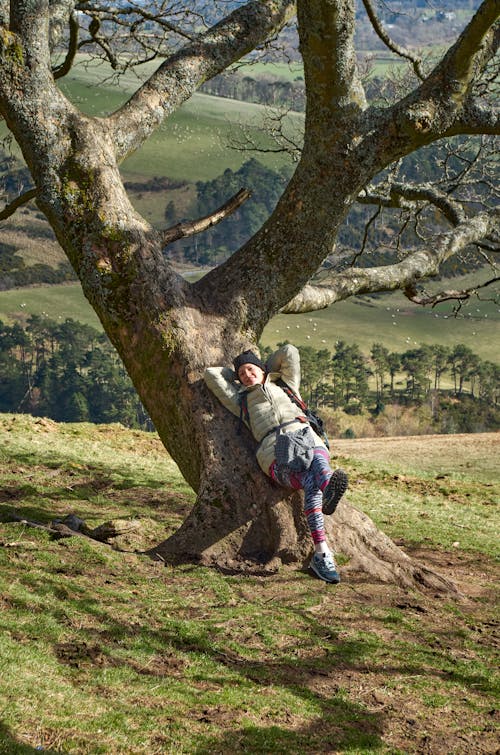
point(326, 31)
point(189, 228)
point(10, 209)
point(119, 15)
point(474, 48)
point(393, 46)
point(30, 22)
point(417, 265)
point(182, 73)
point(67, 64)
point(442, 105)
point(4, 13)
point(403, 195)
point(411, 292)
point(477, 119)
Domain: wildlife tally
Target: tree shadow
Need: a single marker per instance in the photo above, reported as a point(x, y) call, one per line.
point(321, 737)
point(79, 490)
point(9, 745)
point(339, 723)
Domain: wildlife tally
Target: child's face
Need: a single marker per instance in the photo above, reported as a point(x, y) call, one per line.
point(250, 374)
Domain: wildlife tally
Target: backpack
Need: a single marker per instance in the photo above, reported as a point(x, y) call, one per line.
point(316, 422)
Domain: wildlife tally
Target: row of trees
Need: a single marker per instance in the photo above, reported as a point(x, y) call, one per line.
point(221, 240)
point(364, 233)
point(353, 381)
point(66, 371)
point(70, 372)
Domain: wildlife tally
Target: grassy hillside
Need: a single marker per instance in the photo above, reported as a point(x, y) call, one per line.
point(103, 650)
point(192, 144)
point(390, 320)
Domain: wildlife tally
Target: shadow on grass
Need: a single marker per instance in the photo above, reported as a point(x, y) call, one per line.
point(360, 734)
point(81, 487)
point(100, 472)
point(339, 723)
point(9, 745)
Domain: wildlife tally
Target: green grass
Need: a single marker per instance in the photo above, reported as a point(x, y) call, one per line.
point(56, 302)
point(103, 650)
point(442, 489)
point(192, 144)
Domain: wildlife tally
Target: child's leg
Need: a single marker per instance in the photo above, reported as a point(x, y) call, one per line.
point(310, 482)
point(320, 468)
point(313, 503)
point(333, 484)
point(317, 476)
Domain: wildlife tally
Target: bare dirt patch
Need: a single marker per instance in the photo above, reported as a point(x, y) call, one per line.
point(452, 698)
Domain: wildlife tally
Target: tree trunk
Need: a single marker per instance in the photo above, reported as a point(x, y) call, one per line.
point(167, 332)
point(241, 521)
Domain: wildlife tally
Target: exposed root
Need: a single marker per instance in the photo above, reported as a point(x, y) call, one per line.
point(370, 550)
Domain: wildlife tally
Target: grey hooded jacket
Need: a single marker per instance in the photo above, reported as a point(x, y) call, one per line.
point(268, 405)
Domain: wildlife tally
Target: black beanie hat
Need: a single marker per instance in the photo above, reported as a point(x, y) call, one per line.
point(248, 357)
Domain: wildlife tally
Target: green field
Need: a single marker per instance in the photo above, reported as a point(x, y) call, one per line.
point(390, 320)
point(104, 650)
point(193, 144)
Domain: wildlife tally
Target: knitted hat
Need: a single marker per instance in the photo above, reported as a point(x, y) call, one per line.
point(248, 357)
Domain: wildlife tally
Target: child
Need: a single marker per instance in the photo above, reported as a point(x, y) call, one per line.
point(272, 413)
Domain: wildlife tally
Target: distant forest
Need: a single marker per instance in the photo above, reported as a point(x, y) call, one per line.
point(69, 372)
point(267, 185)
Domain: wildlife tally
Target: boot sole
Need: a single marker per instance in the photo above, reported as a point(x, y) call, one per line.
point(335, 490)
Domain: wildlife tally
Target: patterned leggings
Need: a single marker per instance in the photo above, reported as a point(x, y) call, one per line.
point(313, 482)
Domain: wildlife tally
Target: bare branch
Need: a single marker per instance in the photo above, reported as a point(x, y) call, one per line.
point(135, 12)
point(280, 127)
point(411, 292)
point(393, 46)
point(67, 64)
point(366, 232)
point(101, 41)
point(403, 195)
point(419, 264)
point(10, 209)
point(181, 74)
point(189, 228)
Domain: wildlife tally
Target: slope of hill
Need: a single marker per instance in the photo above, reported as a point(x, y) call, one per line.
point(390, 320)
point(104, 650)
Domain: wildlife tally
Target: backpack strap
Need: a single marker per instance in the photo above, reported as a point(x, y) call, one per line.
point(313, 419)
point(291, 394)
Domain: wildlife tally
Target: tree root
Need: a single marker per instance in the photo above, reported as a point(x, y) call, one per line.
point(231, 540)
point(371, 551)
